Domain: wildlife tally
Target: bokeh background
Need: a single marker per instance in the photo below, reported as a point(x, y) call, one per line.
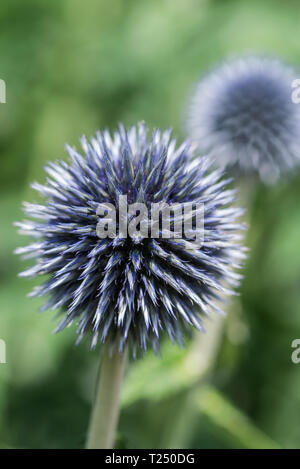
point(70, 68)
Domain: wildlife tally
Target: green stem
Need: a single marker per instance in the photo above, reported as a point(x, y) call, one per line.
point(105, 414)
point(201, 358)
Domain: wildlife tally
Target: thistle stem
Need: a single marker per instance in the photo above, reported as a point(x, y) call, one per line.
point(105, 414)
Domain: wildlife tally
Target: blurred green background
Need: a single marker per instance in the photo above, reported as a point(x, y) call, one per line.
point(70, 68)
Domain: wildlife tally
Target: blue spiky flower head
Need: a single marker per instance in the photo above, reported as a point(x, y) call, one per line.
point(243, 112)
point(131, 289)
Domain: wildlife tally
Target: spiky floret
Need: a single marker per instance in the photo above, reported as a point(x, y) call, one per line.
point(243, 112)
point(131, 289)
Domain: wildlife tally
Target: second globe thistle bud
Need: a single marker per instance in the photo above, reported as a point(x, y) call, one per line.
point(244, 114)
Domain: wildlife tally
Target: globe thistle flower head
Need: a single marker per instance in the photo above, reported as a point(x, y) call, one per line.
point(131, 289)
point(244, 114)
